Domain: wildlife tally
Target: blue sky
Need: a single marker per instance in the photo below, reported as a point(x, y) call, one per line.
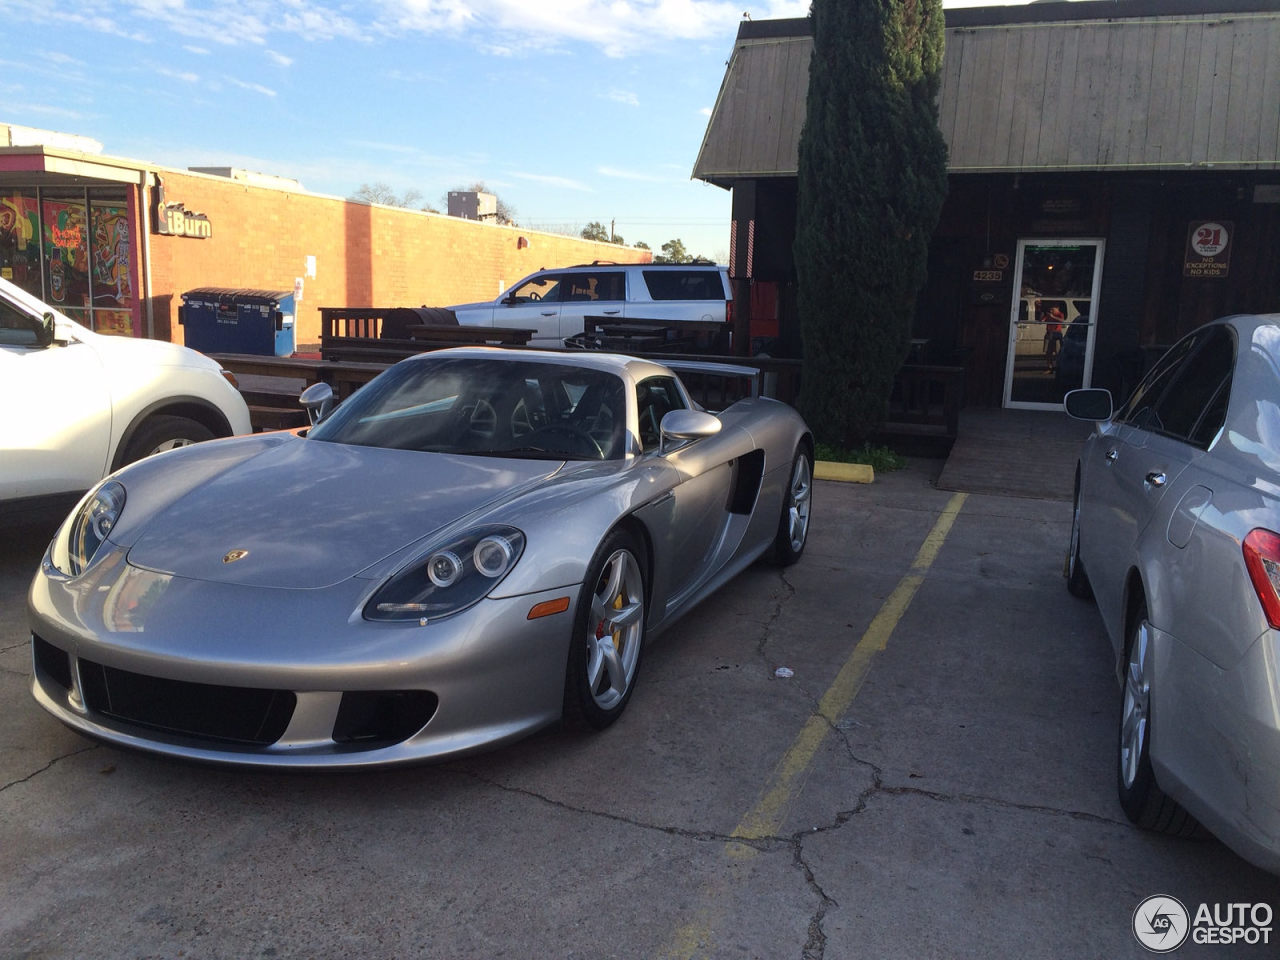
point(570, 111)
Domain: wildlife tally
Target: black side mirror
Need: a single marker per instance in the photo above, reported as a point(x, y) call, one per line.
point(1092, 404)
point(44, 329)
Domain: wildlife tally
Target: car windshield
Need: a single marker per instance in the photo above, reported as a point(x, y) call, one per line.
point(486, 406)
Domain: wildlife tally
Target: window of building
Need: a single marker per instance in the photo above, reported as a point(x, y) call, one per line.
point(73, 248)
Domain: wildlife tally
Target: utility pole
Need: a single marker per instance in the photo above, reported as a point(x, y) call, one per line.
point(612, 233)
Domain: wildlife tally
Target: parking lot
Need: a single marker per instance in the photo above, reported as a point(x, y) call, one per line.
point(934, 779)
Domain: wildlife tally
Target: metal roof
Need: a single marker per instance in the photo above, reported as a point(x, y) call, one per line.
point(1107, 85)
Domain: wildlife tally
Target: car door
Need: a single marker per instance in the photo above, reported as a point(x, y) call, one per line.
point(533, 305)
point(698, 511)
point(1141, 457)
point(591, 293)
point(55, 430)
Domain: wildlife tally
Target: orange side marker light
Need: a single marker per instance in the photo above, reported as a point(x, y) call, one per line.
point(549, 607)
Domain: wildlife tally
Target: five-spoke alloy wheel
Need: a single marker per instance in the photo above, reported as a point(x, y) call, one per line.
point(608, 640)
point(793, 524)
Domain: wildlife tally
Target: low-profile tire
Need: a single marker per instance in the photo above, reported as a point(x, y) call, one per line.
point(608, 634)
point(1077, 580)
point(793, 523)
point(164, 433)
point(1144, 803)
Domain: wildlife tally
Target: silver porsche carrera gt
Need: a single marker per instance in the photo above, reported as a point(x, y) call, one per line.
point(475, 544)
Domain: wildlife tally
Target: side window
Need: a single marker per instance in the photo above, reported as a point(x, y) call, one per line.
point(1194, 405)
point(684, 284)
point(595, 286)
point(1140, 409)
point(543, 288)
point(16, 327)
point(655, 398)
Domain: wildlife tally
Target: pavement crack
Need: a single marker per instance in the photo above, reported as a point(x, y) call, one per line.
point(1078, 815)
point(56, 760)
point(760, 844)
point(815, 945)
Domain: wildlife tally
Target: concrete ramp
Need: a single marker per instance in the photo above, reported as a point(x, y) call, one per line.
point(1015, 453)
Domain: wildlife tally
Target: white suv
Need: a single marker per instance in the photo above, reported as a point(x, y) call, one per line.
point(554, 303)
point(75, 405)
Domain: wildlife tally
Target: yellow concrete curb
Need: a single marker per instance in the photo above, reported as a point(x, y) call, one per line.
point(846, 472)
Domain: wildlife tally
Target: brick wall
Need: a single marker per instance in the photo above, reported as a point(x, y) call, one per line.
point(366, 256)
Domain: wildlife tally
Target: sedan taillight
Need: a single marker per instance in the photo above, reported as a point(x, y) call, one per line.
point(1262, 559)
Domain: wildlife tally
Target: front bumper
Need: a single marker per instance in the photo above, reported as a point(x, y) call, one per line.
point(288, 678)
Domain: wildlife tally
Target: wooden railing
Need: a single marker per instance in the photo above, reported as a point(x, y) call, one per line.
point(925, 402)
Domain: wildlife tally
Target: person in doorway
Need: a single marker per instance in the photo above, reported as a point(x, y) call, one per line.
point(1054, 317)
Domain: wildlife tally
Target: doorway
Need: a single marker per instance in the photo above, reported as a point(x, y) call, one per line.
point(1053, 321)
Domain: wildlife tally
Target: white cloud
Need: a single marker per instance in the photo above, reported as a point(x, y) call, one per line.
point(500, 27)
point(62, 59)
point(198, 51)
point(280, 59)
point(47, 110)
point(622, 96)
point(618, 27)
point(254, 87)
point(185, 76)
point(563, 183)
point(631, 175)
point(704, 111)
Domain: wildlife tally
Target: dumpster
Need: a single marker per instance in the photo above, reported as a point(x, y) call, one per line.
point(224, 320)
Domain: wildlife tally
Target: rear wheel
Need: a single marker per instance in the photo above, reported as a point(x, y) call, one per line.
point(1144, 802)
point(164, 433)
point(793, 523)
point(608, 635)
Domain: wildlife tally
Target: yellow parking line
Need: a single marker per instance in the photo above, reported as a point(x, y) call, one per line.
point(765, 818)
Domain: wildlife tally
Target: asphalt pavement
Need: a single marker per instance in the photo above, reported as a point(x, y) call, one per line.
point(901, 747)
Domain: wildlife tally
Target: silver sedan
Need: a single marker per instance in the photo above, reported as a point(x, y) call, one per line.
point(1176, 534)
point(475, 544)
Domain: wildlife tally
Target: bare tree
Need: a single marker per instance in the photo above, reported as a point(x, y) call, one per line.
point(383, 193)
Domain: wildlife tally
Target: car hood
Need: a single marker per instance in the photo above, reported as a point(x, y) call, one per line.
point(308, 513)
point(148, 353)
point(478, 305)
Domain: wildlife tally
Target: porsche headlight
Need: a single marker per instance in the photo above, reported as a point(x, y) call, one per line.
point(450, 577)
point(85, 530)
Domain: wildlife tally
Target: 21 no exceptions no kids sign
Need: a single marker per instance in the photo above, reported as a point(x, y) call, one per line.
point(1208, 249)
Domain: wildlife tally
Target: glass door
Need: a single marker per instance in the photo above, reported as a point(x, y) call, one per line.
point(1052, 324)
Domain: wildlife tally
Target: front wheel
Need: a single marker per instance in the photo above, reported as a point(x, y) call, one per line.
point(164, 433)
point(608, 635)
point(793, 523)
point(1143, 801)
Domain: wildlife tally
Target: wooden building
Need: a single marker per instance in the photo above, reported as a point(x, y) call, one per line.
point(1114, 181)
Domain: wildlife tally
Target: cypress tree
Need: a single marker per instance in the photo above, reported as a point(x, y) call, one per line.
point(872, 178)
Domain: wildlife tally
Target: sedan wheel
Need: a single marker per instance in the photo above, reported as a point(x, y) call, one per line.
point(1144, 802)
point(793, 524)
point(608, 637)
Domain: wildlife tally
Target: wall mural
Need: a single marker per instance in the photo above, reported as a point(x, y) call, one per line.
point(112, 279)
point(19, 251)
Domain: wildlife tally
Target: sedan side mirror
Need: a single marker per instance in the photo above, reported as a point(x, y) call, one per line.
point(318, 399)
point(684, 426)
point(1093, 404)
